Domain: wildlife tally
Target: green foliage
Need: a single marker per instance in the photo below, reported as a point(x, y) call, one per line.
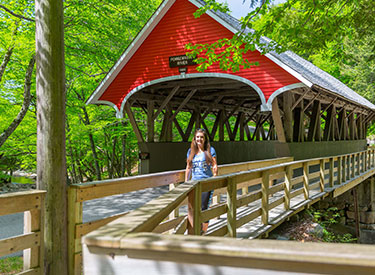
point(11, 265)
point(327, 218)
point(96, 34)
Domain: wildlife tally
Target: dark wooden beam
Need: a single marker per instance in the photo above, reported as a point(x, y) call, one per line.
point(166, 101)
point(183, 103)
point(277, 121)
point(314, 122)
point(288, 116)
point(133, 122)
point(150, 121)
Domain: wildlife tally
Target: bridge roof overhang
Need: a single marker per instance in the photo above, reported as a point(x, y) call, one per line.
point(144, 71)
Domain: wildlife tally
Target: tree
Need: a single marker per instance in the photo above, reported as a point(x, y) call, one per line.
point(304, 26)
point(51, 162)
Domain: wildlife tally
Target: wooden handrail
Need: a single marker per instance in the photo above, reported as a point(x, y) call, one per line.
point(321, 258)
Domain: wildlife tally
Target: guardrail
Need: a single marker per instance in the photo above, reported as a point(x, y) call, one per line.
point(279, 185)
point(78, 193)
point(32, 241)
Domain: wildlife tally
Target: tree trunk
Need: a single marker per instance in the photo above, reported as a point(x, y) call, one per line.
point(92, 144)
point(5, 61)
point(51, 159)
point(25, 106)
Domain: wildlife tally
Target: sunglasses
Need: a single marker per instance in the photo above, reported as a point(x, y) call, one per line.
point(200, 130)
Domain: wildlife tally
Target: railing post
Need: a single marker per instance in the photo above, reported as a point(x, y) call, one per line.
point(358, 163)
point(265, 189)
point(75, 209)
point(353, 166)
point(339, 170)
point(366, 166)
point(331, 169)
point(34, 222)
point(232, 207)
point(344, 168)
point(306, 180)
point(287, 186)
point(194, 210)
point(322, 176)
point(175, 213)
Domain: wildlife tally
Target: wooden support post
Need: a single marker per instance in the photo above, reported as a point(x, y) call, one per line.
point(34, 222)
point(133, 122)
point(314, 128)
point(306, 180)
point(353, 166)
point(150, 121)
point(372, 193)
point(352, 126)
point(194, 210)
point(288, 116)
point(232, 207)
point(287, 186)
point(331, 168)
point(168, 132)
point(298, 122)
point(75, 212)
point(339, 170)
point(166, 101)
point(175, 213)
point(189, 127)
point(265, 189)
point(359, 164)
point(328, 129)
point(221, 125)
point(277, 121)
point(322, 175)
point(344, 168)
point(242, 128)
point(198, 118)
point(356, 214)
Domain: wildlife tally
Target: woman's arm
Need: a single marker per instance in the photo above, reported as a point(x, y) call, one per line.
point(187, 172)
point(214, 166)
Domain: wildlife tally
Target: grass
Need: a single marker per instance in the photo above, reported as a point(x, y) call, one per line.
point(11, 265)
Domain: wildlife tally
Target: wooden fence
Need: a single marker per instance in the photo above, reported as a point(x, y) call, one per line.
point(31, 242)
point(279, 184)
point(78, 193)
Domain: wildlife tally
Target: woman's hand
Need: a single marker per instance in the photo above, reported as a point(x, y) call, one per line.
point(187, 173)
point(214, 166)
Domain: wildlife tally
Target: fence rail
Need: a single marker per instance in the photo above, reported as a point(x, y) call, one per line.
point(31, 242)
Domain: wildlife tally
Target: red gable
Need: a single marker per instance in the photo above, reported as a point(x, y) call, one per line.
point(168, 38)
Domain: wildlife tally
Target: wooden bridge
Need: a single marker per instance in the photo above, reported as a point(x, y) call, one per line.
point(250, 200)
point(278, 190)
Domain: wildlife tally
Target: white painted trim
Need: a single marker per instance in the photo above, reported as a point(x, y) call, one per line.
point(129, 52)
point(289, 70)
point(215, 17)
point(197, 75)
point(282, 90)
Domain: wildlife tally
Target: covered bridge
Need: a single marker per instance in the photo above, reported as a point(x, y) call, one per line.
point(280, 108)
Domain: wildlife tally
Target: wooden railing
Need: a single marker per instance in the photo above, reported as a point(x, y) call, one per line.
point(31, 242)
point(150, 253)
point(278, 184)
point(78, 193)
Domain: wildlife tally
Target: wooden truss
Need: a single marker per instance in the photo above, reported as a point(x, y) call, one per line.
point(230, 111)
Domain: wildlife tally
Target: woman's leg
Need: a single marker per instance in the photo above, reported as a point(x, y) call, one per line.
point(206, 199)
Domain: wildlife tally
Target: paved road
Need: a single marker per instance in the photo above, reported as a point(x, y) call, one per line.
point(12, 225)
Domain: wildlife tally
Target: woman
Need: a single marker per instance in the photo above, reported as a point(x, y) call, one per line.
point(201, 164)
